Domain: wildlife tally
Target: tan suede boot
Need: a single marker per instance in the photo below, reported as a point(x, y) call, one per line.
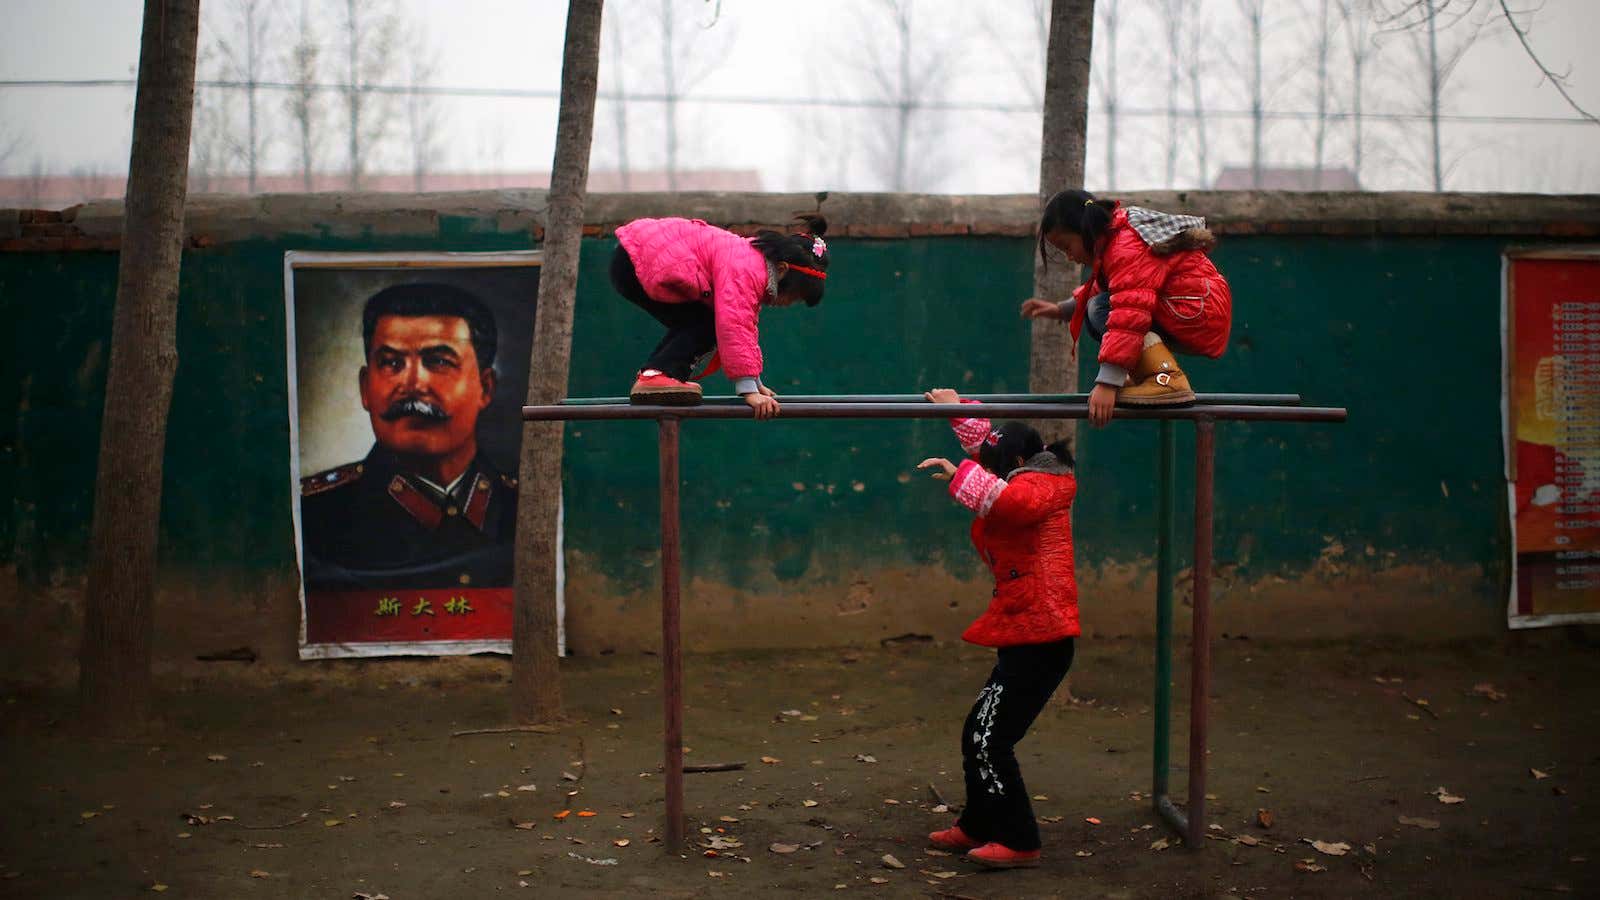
point(1157, 381)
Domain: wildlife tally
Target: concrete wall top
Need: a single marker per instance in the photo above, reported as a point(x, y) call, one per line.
point(218, 219)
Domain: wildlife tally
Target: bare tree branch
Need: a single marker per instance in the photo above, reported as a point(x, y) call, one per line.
point(1559, 81)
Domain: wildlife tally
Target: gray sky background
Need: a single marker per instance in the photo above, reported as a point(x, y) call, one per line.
point(819, 49)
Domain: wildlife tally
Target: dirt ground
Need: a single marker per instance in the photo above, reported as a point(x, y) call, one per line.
point(339, 780)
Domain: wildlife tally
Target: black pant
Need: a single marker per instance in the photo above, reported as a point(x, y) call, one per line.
point(691, 327)
point(1023, 679)
point(1098, 315)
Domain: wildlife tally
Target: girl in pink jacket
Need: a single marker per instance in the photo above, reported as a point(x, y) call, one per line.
point(707, 285)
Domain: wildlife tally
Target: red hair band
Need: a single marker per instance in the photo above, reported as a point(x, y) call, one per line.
point(814, 273)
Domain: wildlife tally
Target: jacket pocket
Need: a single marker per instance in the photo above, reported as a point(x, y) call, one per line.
point(1187, 302)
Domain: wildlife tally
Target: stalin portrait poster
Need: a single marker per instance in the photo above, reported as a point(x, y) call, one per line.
point(407, 374)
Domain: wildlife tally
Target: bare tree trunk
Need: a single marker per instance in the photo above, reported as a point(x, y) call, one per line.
point(1172, 10)
point(1061, 160)
point(1356, 15)
point(302, 102)
point(1194, 53)
point(1324, 42)
point(620, 105)
point(671, 92)
point(119, 609)
point(353, 89)
point(1254, 10)
point(902, 144)
point(1434, 86)
point(252, 62)
point(535, 674)
point(1113, 21)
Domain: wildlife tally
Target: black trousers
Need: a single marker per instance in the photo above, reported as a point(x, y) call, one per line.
point(1023, 679)
point(691, 327)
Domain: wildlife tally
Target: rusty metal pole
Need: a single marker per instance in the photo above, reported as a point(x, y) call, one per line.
point(1200, 677)
point(671, 647)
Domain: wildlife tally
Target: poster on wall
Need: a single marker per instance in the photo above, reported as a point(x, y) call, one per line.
point(1552, 434)
point(407, 373)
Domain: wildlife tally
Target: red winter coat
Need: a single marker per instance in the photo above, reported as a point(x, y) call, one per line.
point(1182, 294)
point(1023, 532)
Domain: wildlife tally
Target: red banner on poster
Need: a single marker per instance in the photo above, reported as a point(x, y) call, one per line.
point(1553, 423)
point(350, 617)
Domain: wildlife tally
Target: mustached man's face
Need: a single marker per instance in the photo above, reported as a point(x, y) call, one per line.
point(422, 386)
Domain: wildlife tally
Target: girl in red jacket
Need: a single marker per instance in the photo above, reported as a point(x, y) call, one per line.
point(707, 286)
point(1151, 287)
point(1022, 493)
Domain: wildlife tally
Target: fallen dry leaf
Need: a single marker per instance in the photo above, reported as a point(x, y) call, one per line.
point(526, 788)
point(1446, 797)
point(362, 895)
point(621, 842)
point(876, 879)
point(90, 814)
point(1092, 820)
point(1485, 689)
point(893, 863)
point(1309, 865)
point(808, 803)
point(941, 808)
point(568, 776)
point(866, 758)
point(1429, 824)
point(727, 818)
point(1247, 840)
point(1538, 775)
point(1051, 820)
point(771, 760)
point(1083, 853)
point(1264, 818)
point(1040, 798)
point(522, 826)
point(267, 846)
point(332, 823)
point(216, 757)
point(524, 871)
point(158, 887)
point(260, 873)
point(1338, 849)
point(397, 804)
point(587, 814)
point(1161, 844)
point(779, 847)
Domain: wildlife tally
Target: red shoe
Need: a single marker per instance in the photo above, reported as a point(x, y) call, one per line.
point(999, 856)
point(952, 839)
point(654, 387)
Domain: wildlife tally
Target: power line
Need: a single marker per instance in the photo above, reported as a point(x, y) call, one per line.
point(825, 103)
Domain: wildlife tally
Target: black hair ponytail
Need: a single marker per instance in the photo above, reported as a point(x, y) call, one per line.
point(1076, 211)
point(804, 248)
point(1017, 440)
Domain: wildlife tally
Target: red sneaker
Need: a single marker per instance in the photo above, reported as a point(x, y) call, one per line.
point(999, 856)
point(654, 387)
point(952, 839)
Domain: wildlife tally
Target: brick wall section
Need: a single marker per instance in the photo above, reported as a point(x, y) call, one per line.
point(219, 219)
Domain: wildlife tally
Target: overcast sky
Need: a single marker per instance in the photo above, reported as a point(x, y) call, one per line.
point(821, 49)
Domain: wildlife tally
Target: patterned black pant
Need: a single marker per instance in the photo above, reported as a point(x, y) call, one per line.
point(1023, 679)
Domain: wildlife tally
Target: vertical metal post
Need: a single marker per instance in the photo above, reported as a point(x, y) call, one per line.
point(1200, 679)
point(671, 649)
point(1166, 539)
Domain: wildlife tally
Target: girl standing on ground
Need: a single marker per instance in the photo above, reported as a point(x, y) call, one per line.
point(1152, 289)
point(1022, 494)
point(707, 286)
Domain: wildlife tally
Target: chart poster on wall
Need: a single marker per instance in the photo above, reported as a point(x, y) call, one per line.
point(406, 373)
point(1552, 434)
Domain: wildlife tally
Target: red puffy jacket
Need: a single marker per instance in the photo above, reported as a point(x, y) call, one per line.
point(1183, 294)
point(1023, 532)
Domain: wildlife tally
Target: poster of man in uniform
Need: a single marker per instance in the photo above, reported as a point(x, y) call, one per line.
point(407, 373)
point(1552, 429)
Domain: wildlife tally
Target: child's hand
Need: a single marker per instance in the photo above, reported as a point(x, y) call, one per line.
point(1101, 401)
point(767, 392)
point(766, 406)
point(947, 470)
point(1034, 308)
point(941, 395)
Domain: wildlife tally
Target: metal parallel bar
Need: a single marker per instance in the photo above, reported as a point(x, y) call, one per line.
point(671, 648)
point(936, 411)
point(1166, 540)
point(1200, 678)
point(1200, 399)
point(1173, 816)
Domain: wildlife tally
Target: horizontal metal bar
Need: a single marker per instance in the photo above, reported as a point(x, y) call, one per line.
point(792, 410)
point(1172, 815)
point(1200, 399)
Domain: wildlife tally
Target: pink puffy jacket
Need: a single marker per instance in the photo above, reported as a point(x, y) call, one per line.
point(689, 261)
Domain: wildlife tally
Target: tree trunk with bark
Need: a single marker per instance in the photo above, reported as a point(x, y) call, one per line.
point(535, 673)
point(1061, 160)
point(119, 608)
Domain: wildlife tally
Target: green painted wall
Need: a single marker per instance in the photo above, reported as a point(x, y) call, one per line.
point(1404, 331)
